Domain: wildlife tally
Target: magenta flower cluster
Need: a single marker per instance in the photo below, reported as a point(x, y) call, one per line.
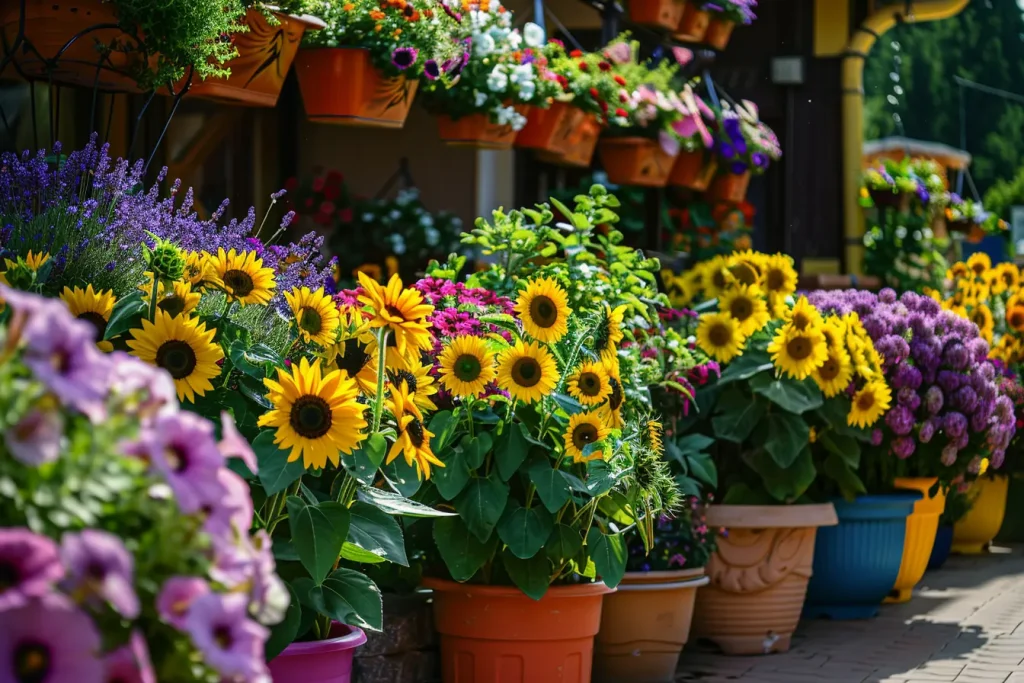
point(57, 593)
point(944, 387)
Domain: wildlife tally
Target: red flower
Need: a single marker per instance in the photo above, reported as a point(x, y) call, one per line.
point(575, 54)
point(327, 208)
point(622, 97)
point(604, 106)
point(345, 215)
point(593, 93)
point(620, 80)
point(604, 66)
point(583, 66)
point(318, 184)
point(331, 192)
point(334, 178)
point(621, 112)
point(291, 184)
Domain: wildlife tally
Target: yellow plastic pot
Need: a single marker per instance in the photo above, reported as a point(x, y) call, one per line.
point(973, 533)
point(922, 524)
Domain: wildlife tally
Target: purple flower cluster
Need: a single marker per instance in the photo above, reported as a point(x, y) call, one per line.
point(300, 264)
point(938, 367)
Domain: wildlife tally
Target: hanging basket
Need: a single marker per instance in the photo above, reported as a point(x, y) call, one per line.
point(341, 86)
point(636, 161)
point(581, 145)
point(658, 13)
point(476, 130)
point(551, 129)
point(693, 170)
point(719, 31)
point(265, 54)
point(52, 27)
point(693, 25)
point(730, 187)
point(888, 199)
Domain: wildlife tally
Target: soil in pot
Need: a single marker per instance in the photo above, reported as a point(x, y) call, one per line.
point(323, 661)
point(973, 534)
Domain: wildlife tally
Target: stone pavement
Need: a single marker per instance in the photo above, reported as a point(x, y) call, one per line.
point(964, 625)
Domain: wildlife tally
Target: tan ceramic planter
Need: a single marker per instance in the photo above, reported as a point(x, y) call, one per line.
point(758, 576)
point(644, 626)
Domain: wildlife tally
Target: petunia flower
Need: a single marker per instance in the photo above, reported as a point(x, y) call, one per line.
point(36, 438)
point(234, 445)
point(230, 642)
point(431, 70)
point(49, 639)
point(176, 598)
point(131, 663)
point(29, 563)
point(404, 57)
point(100, 568)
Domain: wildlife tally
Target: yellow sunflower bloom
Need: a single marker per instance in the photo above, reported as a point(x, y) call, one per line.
point(590, 384)
point(544, 309)
point(94, 307)
point(1015, 317)
point(585, 429)
point(958, 271)
point(780, 276)
point(835, 333)
point(180, 300)
point(835, 374)
point(199, 271)
point(467, 367)
point(869, 404)
point(316, 315)
point(611, 412)
point(352, 356)
point(978, 263)
point(746, 267)
point(413, 442)
point(527, 371)
point(746, 305)
point(181, 346)
point(716, 277)
point(243, 277)
point(1007, 278)
point(719, 336)
point(402, 311)
point(417, 383)
point(609, 332)
point(798, 352)
point(803, 315)
point(33, 261)
point(981, 316)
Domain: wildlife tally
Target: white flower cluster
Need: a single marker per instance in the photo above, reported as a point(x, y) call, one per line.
point(493, 36)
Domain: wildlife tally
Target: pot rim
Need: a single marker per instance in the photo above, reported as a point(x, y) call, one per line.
point(664, 586)
point(798, 516)
point(579, 590)
point(665, 575)
point(313, 23)
point(350, 641)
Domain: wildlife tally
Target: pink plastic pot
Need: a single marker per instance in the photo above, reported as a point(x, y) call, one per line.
point(322, 661)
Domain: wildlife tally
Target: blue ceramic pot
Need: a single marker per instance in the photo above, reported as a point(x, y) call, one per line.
point(857, 561)
point(943, 544)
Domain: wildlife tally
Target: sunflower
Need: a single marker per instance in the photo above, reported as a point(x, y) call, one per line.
point(199, 271)
point(719, 336)
point(467, 367)
point(527, 371)
point(181, 299)
point(1007, 278)
point(835, 373)
point(413, 441)
point(33, 261)
point(1015, 317)
point(803, 315)
point(654, 436)
point(798, 352)
point(745, 304)
point(611, 412)
point(957, 271)
point(316, 315)
point(93, 307)
point(982, 317)
point(316, 416)
point(716, 277)
point(353, 358)
point(609, 332)
point(400, 310)
point(835, 333)
point(544, 309)
point(746, 267)
point(585, 429)
point(181, 346)
point(243, 277)
point(418, 383)
point(780, 277)
point(869, 404)
point(978, 263)
point(589, 384)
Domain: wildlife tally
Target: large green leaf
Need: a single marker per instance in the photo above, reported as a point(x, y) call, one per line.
point(403, 477)
point(350, 597)
point(395, 504)
point(461, 551)
point(481, 503)
point(784, 484)
point(354, 553)
point(838, 470)
point(531, 575)
point(752, 362)
point(609, 555)
point(253, 360)
point(276, 473)
point(442, 426)
point(692, 443)
point(787, 393)
point(318, 532)
point(524, 530)
point(787, 435)
point(563, 543)
point(284, 633)
point(475, 450)
point(511, 450)
point(702, 467)
point(551, 486)
point(377, 532)
point(127, 315)
point(846, 447)
point(738, 414)
point(364, 461)
point(451, 479)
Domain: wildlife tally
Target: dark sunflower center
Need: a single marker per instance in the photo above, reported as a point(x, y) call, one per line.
point(603, 336)
point(590, 384)
point(396, 312)
point(1017, 319)
point(720, 335)
point(745, 273)
point(354, 358)
point(415, 431)
point(97, 321)
point(467, 368)
point(31, 662)
point(10, 576)
point(978, 268)
point(741, 308)
point(177, 358)
point(239, 282)
point(310, 417)
point(616, 397)
point(718, 279)
point(979, 318)
point(798, 348)
point(543, 312)
point(866, 400)
point(310, 321)
point(222, 635)
point(1008, 279)
point(172, 305)
point(526, 372)
point(584, 434)
point(399, 376)
point(830, 370)
point(775, 280)
point(801, 321)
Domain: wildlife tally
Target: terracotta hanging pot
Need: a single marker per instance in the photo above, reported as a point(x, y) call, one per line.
point(730, 187)
point(549, 129)
point(476, 130)
point(50, 27)
point(922, 524)
point(657, 13)
point(636, 161)
point(340, 85)
point(889, 199)
point(644, 625)
point(496, 633)
point(693, 25)
point(319, 660)
point(719, 32)
point(581, 144)
point(759, 575)
point(265, 54)
point(693, 170)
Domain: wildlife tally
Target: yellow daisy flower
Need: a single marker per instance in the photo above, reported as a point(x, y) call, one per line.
point(719, 336)
point(316, 315)
point(243, 277)
point(746, 305)
point(544, 310)
point(527, 371)
point(181, 346)
point(94, 307)
point(869, 404)
point(467, 367)
point(798, 352)
point(590, 384)
point(585, 429)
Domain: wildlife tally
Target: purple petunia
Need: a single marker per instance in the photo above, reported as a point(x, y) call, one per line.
point(36, 438)
point(130, 664)
point(234, 445)
point(431, 70)
point(100, 569)
point(29, 565)
point(404, 57)
point(49, 639)
point(230, 642)
point(176, 598)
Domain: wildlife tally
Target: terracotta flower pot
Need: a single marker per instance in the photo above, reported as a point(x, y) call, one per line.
point(475, 130)
point(759, 575)
point(887, 199)
point(657, 13)
point(496, 634)
point(580, 147)
point(265, 54)
point(693, 170)
point(973, 534)
point(694, 24)
point(922, 524)
point(719, 32)
point(50, 26)
point(644, 625)
point(341, 86)
point(549, 129)
point(636, 161)
point(730, 187)
point(322, 661)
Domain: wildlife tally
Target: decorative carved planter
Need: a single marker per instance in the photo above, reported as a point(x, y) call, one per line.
point(758, 575)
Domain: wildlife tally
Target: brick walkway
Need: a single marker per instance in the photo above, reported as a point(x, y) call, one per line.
point(964, 625)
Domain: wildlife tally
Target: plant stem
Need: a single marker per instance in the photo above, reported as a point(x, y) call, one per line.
point(153, 296)
point(378, 401)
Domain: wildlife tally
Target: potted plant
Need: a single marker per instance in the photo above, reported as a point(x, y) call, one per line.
point(365, 67)
point(664, 14)
point(964, 216)
point(696, 164)
point(126, 530)
point(694, 22)
point(957, 506)
point(745, 147)
point(1013, 528)
point(973, 534)
point(890, 185)
point(725, 16)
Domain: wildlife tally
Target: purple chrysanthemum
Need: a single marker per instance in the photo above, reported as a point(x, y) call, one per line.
point(101, 569)
point(49, 640)
point(29, 565)
point(230, 642)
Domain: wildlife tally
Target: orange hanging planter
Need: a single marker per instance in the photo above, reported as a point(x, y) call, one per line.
point(549, 129)
point(342, 86)
point(719, 31)
point(475, 130)
point(580, 147)
point(657, 13)
point(730, 187)
point(693, 25)
point(693, 170)
point(636, 161)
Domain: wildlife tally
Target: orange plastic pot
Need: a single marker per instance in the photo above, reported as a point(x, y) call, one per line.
point(922, 524)
point(341, 86)
point(265, 54)
point(636, 161)
point(494, 634)
point(759, 575)
point(719, 32)
point(730, 187)
point(644, 625)
point(693, 170)
point(476, 130)
point(657, 13)
point(693, 25)
point(580, 147)
point(50, 26)
point(549, 129)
